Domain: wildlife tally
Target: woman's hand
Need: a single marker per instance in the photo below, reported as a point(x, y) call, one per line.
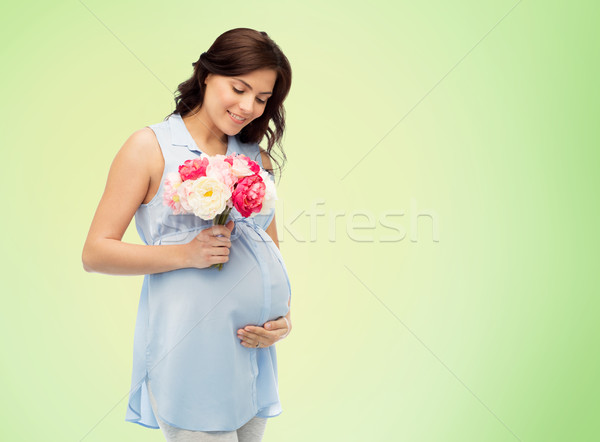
point(272, 331)
point(210, 246)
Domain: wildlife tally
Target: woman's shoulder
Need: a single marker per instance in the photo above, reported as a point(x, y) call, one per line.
point(143, 136)
point(141, 145)
point(266, 159)
point(143, 139)
point(149, 135)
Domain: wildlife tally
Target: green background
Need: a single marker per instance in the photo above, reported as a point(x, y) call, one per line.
point(447, 292)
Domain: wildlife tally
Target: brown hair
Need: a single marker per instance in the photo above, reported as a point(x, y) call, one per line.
point(237, 52)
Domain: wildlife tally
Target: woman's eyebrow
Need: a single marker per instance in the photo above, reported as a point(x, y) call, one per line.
point(250, 87)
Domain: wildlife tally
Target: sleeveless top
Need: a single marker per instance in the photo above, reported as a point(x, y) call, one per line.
point(185, 339)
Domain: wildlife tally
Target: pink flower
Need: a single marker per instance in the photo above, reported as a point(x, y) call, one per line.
point(248, 195)
point(220, 169)
point(170, 196)
point(184, 191)
point(242, 166)
point(192, 169)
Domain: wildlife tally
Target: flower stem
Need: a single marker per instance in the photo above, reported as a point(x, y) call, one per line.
point(221, 220)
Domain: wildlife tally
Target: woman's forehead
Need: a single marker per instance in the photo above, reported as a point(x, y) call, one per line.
point(264, 79)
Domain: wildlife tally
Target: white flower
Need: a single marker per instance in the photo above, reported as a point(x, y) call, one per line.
point(208, 197)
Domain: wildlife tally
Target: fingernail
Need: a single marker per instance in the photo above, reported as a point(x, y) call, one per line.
point(268, 325)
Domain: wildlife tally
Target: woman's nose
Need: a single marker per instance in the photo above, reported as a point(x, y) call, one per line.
point(247, 104)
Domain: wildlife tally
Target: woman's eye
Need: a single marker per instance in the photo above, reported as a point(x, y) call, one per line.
point(241, 92)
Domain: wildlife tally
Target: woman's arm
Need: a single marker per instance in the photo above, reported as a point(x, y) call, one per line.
point(272, 229)
point(128, 182)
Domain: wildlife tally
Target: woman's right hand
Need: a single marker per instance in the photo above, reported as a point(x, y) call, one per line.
point(210, 246)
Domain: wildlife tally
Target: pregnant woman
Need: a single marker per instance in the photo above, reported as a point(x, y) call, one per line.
point(204, 360)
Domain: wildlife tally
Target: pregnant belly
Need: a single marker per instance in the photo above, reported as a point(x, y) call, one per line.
point(251, 288)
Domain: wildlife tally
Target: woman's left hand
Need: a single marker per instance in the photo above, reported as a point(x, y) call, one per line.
point(253, 336)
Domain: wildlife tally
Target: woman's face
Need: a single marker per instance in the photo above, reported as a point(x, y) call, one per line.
point(231, 103)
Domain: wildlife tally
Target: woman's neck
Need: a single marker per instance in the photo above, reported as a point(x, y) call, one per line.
point(206, 135)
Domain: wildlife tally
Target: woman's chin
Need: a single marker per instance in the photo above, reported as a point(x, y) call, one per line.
point(232, 132)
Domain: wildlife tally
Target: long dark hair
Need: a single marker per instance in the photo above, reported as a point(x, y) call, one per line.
point(237, 52)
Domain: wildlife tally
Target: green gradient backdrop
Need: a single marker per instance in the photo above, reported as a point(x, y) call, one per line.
point(477, 323)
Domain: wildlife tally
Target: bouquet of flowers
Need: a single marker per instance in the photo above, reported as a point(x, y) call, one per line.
point(210, 187)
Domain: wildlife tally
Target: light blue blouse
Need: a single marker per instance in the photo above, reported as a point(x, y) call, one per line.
point(185, 338)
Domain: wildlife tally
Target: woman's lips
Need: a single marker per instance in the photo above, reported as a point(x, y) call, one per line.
point(235, 120)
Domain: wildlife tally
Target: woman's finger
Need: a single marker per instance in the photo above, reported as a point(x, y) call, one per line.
point(250, 335)
point(276, 324)
point(256, 330)
point(252, 342)
point(274, 333)
point(268, 338)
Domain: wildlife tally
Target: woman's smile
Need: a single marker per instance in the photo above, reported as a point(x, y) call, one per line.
point(236, 118)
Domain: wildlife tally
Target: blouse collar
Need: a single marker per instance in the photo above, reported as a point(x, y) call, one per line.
point(180, 135)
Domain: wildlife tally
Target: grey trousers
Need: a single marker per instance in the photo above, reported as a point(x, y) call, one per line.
point(252, 431)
